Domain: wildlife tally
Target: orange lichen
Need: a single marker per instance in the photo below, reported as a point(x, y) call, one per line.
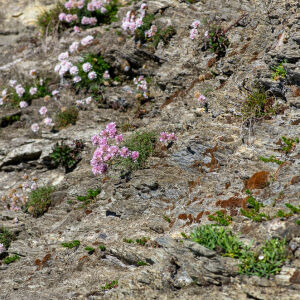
point(258, 180)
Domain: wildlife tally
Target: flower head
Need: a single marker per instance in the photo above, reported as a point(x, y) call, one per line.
point(43, 110)
point(35, 127)
point(23, 104)
point(48, 122)
point(33, 91)
point(92, 75)
point(86, 67)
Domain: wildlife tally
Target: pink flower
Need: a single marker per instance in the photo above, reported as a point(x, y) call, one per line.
point(151, 32)
point(103, 10)
point(172, 137)
point(76, 29)
point(106, 75)
point(86, 67)
point(43, 110)
point(12, 83)
point(55, 92)
point(33, 91)
point(113, 150)
point(92, 75)
point(124, 152)
point(68, 5)
point(206, 34)
point(119, 138)
point(134, 155)
point(69, 18)
point(23, 104)
point(35, 127)
point(62, 17)
point(163, 136)
point(193, 33)
point(195, 24)
point(99, 169)
point(48, 122)
point(202, 99)
point(96, 140)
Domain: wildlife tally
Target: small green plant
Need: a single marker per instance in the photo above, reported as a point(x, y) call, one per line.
point(90, 197)
point(271, 159)
point(293, 208)
point(290, 144)
point(99, 66)
point(253, 211)
point(298, 222)
point(167, 219)
point(102, 247)
point(39, 201)
point(279, 71)
point(110, 285)
point(142, 241)
point(10, 259)
point(90, 250)
point(144, 143)
point(162, 35)
point(258, 104)
point(220, 218)
point(47, 20)
point(217, 41)
point(140, 31)
point(265, 263)
point(66, 156)
point(141, 263)
point(8, 120)
point(218, 238)
point(66, 117)
point(6, 237)
point(72, 244)
point(129, 241)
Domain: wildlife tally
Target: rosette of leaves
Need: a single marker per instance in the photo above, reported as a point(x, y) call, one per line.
point(66, 156)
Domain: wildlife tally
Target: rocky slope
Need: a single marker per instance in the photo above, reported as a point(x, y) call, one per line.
point(213, 162)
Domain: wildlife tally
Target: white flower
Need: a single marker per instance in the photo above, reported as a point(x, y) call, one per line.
point(86, 67)
point(48, 122)
point(23, 104)
point(74, 47)
point(12, 83)
point(77, 79)
point(63, 56)
point(88, 100)
point(43, 110)
point(87, 40)
point(106, 75)
point(1, 101)
point(33, 90)
point(4, 93)
point(92, 75)
point(74, 70)
point(55, 92)
point(35, 127)
point(261, 257)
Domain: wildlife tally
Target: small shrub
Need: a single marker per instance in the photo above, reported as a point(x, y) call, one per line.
point(91, 195)
point(218, 238)
point(142, 241)
point(144, 144)
point(72, 244)
point(221, 218)
point(258, 104)
point(39, 201)
point(66, 117)
point(271, 159)
point(129, 241)
point(253, 211)
point(10, 259)
point(279, 71)
point(110, 285)
point(6, 237)
point(66, 156)
point(290, 144)
point(265, 263)
point(216, 41)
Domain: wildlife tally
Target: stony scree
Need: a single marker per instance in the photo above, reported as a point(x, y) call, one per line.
point(140, 221)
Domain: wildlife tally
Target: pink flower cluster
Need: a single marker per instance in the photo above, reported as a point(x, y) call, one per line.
point(20, 90)
point(106, 152)
point(151, 32)
point(194, 32)
point(141, 85)
point(67, 18)
point(83, 102)
point(164, 136)
point(132, 21)
point(88, 21)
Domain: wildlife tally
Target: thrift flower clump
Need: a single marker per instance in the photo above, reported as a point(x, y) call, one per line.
point(141, 86)
point(194, 32)
point(134, 20)
point(167, 137)
point(108, 149)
